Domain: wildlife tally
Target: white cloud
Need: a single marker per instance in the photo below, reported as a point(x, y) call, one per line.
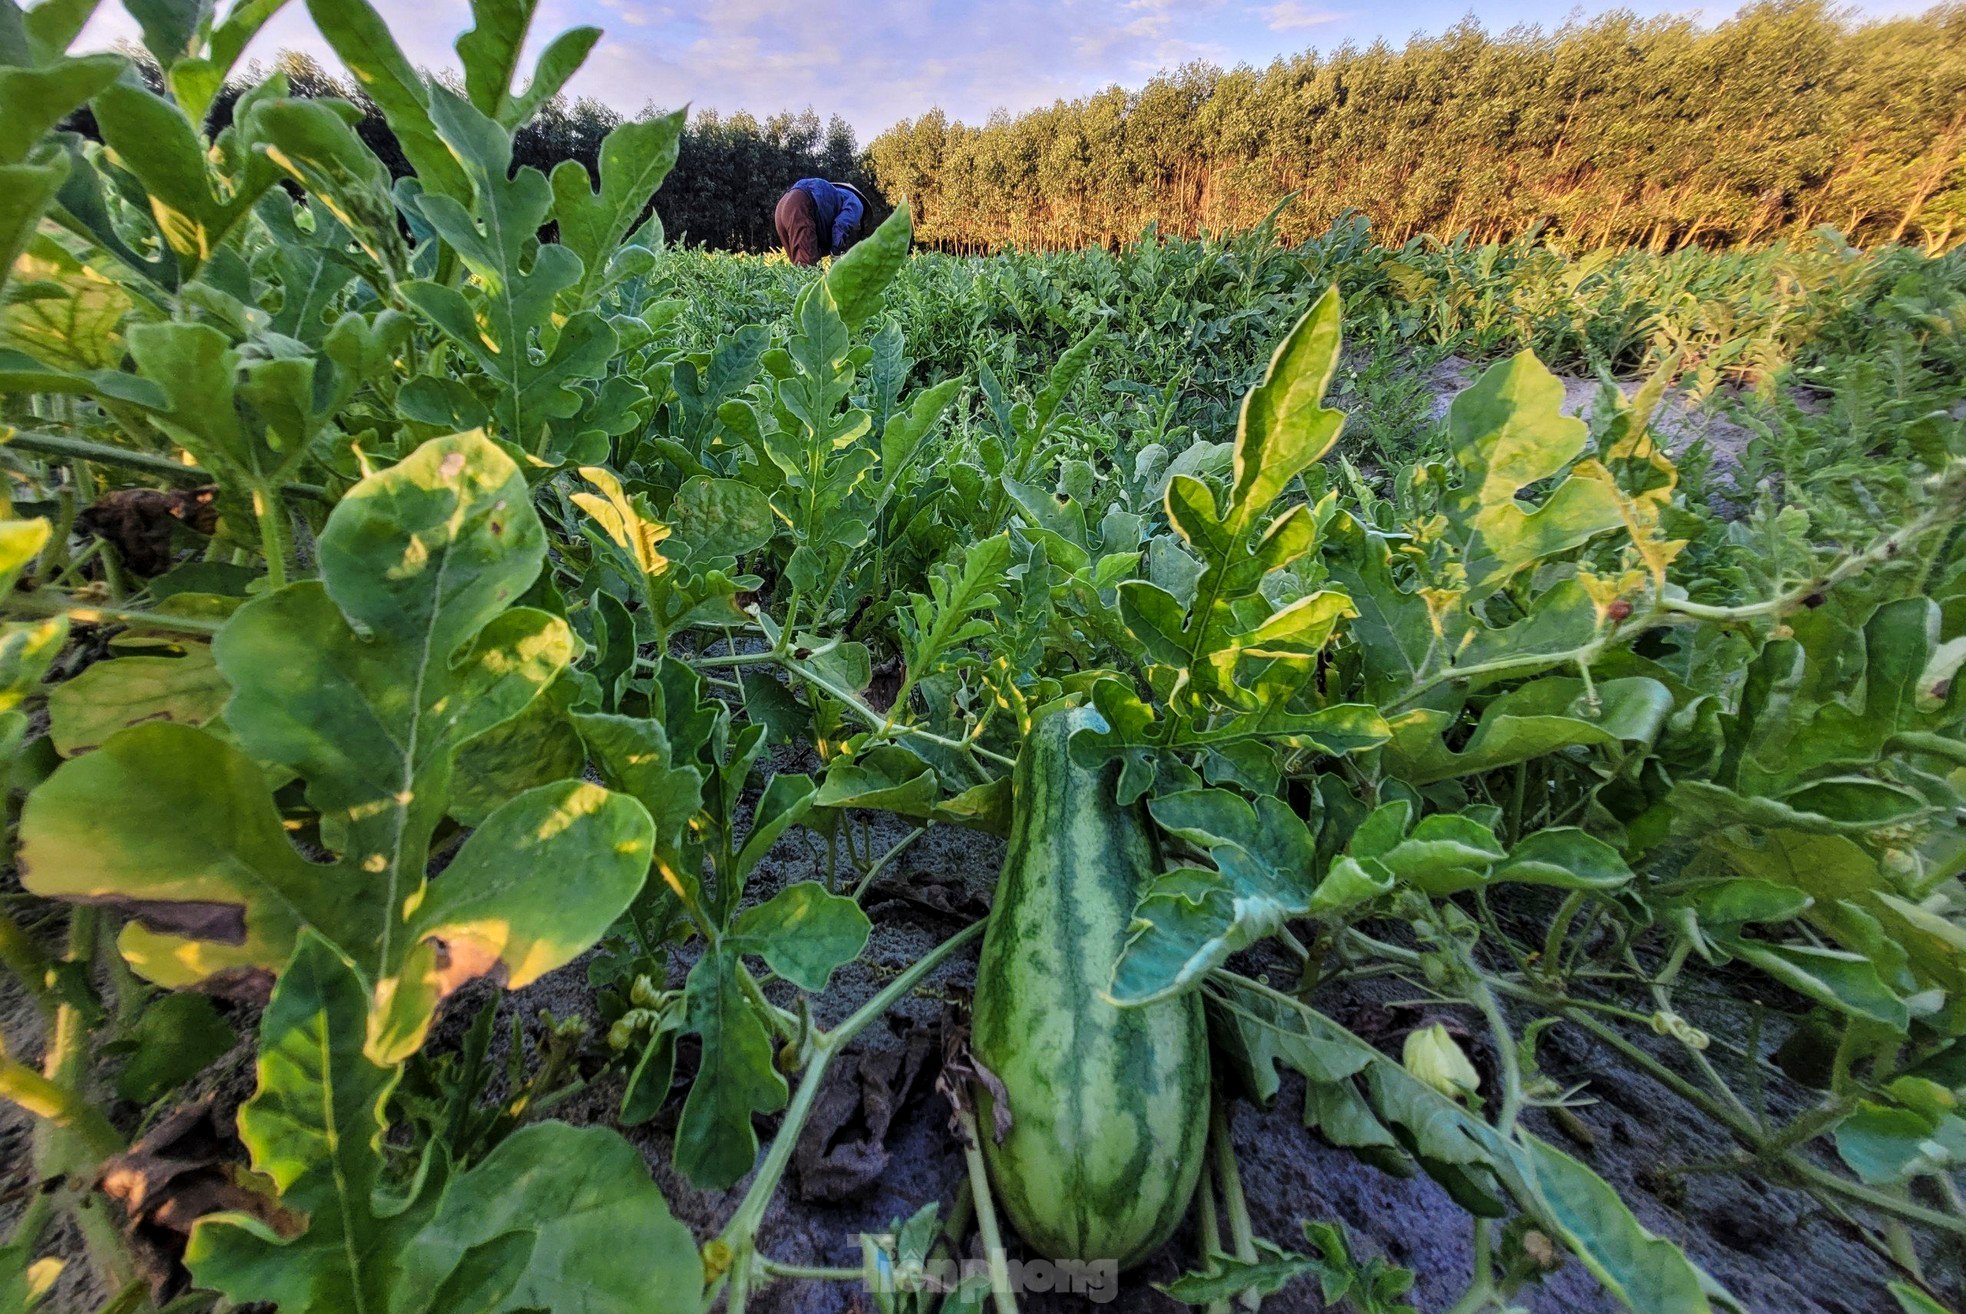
point(635, 15)
point(1296, 16)
point(877, 61)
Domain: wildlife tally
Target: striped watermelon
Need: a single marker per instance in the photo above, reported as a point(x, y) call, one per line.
point(1110, 1105)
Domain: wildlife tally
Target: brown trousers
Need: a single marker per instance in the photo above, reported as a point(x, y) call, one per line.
point(797, 218)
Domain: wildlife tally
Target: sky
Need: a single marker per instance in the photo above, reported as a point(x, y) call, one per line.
point(874, 62)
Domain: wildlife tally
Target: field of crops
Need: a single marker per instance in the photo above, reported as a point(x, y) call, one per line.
point(579, 775)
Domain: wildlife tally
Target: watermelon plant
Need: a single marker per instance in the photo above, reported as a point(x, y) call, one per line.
point(418, 587)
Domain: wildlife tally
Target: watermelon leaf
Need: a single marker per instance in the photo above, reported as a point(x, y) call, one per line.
point(550, 1208)
point(365, 684)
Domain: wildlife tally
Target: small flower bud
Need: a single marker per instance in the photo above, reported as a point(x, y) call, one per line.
point(1541, 1251)
point(1432, 1056)
point(643, 993)
point(1672, 1024)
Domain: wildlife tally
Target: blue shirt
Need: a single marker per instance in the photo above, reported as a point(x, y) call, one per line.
point(840, 211)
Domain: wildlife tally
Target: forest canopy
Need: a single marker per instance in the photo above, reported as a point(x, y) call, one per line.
point(1617, 131)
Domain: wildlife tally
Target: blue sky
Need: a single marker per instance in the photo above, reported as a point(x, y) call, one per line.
point(876, 61)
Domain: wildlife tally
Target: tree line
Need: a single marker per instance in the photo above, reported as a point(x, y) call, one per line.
point(730, 168)
point(1619, 131)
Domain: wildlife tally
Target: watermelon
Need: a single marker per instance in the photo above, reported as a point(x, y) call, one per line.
point(1109, 1105)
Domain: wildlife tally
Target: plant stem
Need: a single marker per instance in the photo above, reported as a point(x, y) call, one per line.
point(75, 563)
point(1505, 1050)
point(270, 511)
point(1566, 913)
point(1211, 1239)
point(812, 1272)
point(733, 659)
point(899, 986)
point(1952, 501)
point(881, 862)
point(59, 1108)
point(1821, 1179)
point(741, 1232)
point(150, 463)
point(1518, 791)
point(127, 994)
point(1686, 1090)
point(1771, 1150)
point(740, 1285)
point(45, 604)
point(103, 1242)
point(71, 1136)
point(875, 721)
point(33, 1221)
point(1669, 611)
point(76, 1141)
point(65, 1065)
point(1663, 1002)
point(994, 1255)
point(1481, 1287)
point(81, 449)
point(784, 1023)
point(1229, 1177)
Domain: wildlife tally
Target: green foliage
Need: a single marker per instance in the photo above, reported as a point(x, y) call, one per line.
point(27, 648)
point(634, 159)
point(425, 559)
point(40, 85)
point(358, 526)
point(177, 1037)
point(1358, 1097)
point(493, 236)
point(1198, 647)
point(1371, 1287)
point(1514, 131)
point(315, 1128)
point(24, 1280)
point(550, 1202)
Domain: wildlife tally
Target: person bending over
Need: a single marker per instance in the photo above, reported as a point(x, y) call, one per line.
point(818, 218)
